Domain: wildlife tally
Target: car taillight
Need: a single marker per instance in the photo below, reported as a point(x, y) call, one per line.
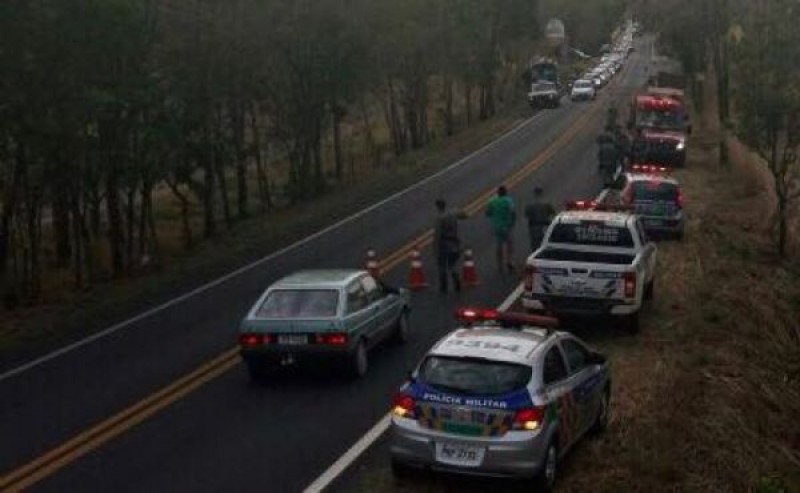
point(332, 339)
point(629, 281)
point(403, 405)
point(530, 275)
point(253, 340)
point(529, 419)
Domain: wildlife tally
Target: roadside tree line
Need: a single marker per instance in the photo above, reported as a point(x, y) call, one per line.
point(107, 105)
point(753, 47)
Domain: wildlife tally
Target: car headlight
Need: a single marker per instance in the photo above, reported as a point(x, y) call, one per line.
point(680, 146)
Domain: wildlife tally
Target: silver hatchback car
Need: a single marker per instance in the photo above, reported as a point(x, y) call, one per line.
point(505, 395)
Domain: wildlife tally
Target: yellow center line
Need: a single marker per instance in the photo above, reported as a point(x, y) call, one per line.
point(62, 455)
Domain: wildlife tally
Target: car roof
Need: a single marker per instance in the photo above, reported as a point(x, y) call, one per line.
point(492, 343)
point(318, 278)
point(611, 218)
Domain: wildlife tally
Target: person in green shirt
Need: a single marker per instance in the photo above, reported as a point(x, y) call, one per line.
point(503, 216)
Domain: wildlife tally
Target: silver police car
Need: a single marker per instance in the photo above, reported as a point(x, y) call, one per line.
point(504, 395)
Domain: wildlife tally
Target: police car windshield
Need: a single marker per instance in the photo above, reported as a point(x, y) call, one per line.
point(656, 191)
point(592, 233)
point(473, 376)
point(300, 303)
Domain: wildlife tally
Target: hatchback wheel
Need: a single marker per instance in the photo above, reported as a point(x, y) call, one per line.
point(402, 331)
point(357, 366)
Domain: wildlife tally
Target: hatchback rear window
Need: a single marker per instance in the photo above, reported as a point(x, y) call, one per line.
point(473, 376)
point(300, 303)
point(592, 233)
point(655, 190)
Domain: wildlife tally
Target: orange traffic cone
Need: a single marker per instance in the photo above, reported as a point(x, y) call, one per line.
point(372, 264)
point(469, 273)
point(416, 278)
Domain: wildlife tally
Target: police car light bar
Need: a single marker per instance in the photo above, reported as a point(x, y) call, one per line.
point(469, 315)
point(649, 168)
point(581, 205)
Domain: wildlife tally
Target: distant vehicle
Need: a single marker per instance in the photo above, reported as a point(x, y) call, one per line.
point(544, 94)
point(592, 262)
point(505, 395)
point(545, 70)
point(320, 316)
point(660, 123)
point(583, 90)
point(656, 197)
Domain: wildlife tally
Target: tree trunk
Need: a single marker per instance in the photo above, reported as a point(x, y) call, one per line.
point(61, 225)
point(219, 169)
point(449, 120)
point(338, 114)
point(131, 226)
point(115, 232)
point(468, 102)
point(209, 219)
point(262, 176)
point(241, 160)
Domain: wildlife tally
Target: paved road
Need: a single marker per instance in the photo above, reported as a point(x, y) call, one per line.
point(233, 436)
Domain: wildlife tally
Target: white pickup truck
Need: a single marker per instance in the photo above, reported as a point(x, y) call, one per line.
point(592, 262)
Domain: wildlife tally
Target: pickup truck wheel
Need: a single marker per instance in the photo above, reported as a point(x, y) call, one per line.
point(631, 323)
point(401, 330)
point(649, 290)
point(358, 361)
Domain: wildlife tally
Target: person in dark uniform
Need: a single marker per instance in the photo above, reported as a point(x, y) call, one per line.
point(539, 215)
point(447, 245)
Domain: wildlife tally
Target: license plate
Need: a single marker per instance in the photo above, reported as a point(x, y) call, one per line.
point(459, 454)
point(292, 339)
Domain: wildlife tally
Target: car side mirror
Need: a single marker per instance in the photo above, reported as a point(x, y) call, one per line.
point(596, 358)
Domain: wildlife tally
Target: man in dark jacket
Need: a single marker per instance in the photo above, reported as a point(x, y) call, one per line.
point(539, 215)
point(447, 245)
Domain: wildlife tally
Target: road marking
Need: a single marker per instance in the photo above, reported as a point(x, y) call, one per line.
point(374, 433)
point(69, 451)
point(241, 270)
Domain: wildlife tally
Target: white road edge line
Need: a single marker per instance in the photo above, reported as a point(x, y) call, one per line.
point(220, 280)
point(374, 433)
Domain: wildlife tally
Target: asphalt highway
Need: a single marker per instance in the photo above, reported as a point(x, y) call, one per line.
point(215, 431)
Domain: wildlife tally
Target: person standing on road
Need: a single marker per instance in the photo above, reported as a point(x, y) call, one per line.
point(503, 216)
point(447, 245)
point(539, 215)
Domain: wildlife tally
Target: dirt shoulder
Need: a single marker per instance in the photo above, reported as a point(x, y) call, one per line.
point(708, 398)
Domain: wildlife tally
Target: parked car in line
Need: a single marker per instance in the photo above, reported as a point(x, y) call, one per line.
point(504, 395)
point(583, 90)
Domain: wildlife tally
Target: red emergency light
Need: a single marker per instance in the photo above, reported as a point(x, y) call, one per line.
point(471, 315)
point(649, 168)
point(581, 205)
point(658, 103)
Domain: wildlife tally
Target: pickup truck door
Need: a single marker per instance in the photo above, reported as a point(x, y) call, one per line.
point(649, 251)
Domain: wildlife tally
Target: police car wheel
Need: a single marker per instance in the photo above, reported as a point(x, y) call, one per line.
point(603, 413)
point(358, 363)
point(547, 476)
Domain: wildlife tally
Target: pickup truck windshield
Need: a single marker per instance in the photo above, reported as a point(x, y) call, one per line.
point(591, 233)
point(300, 303)
point(473, 376)
point(655, 191)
